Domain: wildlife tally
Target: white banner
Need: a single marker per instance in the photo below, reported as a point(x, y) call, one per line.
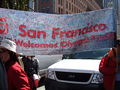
point(40, 33)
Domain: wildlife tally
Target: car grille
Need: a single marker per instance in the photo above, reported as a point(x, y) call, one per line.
point(70, 76)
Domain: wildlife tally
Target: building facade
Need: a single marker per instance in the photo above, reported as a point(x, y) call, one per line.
point(66, 6)
point(116, 5)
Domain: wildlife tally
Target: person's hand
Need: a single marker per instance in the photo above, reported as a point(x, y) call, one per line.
point(36, 80)
point(39, 77)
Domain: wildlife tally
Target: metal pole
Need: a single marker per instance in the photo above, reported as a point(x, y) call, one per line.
point(37, 5)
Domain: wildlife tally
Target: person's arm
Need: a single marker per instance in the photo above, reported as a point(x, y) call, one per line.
point(19, 79)
point(38, 66)
point(3, 78)
point(104, 67)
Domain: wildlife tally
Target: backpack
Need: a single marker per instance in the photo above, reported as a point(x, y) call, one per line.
point(30, 66)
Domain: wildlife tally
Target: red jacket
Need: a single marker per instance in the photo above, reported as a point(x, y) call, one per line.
point(17, 78)
point(108, 68)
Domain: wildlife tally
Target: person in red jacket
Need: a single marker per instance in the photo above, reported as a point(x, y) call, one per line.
point(16, 76)
point(108, 68)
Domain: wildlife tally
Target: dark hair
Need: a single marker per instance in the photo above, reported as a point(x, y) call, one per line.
point(13, 56)
point(114, 52)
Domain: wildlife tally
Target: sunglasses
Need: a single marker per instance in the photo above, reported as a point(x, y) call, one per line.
point(3, 50)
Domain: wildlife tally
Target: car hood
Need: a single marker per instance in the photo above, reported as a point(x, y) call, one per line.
point(76, 65)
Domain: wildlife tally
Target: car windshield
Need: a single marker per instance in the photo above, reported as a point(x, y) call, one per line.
point(97, 54)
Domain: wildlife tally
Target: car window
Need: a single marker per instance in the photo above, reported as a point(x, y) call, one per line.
point(97, 54)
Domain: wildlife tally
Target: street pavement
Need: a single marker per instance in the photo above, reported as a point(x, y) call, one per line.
point(41, 88)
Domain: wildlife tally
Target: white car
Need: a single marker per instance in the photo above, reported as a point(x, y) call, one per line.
point(44, 62)
point(76, 74)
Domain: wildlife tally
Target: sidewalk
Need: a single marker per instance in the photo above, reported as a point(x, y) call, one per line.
point(41, 88)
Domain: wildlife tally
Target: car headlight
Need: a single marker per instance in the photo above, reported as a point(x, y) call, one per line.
point(51, 74)
point(97, 78)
